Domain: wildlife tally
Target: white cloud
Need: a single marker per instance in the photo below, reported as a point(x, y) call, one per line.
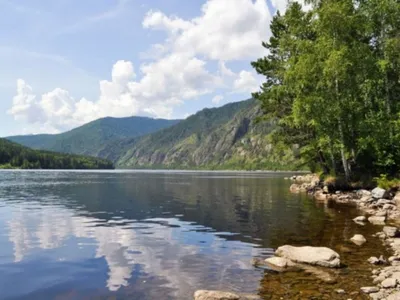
point(217, 99)
point(246, 83)
point(164, 85)
point(226, 29)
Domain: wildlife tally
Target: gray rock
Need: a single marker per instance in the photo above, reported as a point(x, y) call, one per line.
point(363, 193)
point(378, 193)
point(358, 239)
point(377, 220)
point(389, 283)
point(319, 256)
point(370, 289)
point(390, 231)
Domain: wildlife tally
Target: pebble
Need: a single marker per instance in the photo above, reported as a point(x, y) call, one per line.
point(370, 289)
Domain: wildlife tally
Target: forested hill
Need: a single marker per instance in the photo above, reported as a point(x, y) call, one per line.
point(13, 156)
point(90, 138)
point(227, 137)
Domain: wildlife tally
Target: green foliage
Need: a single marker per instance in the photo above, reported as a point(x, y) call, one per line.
point(332, 83)
point(15, 156)
point(91, 138)
point(387, 184)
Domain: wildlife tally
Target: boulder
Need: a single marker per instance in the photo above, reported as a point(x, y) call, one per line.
point(358, 239)
point(377, 220)
point(390, 231)
point(389, 283)
point(319, 256)
point(220, 295)
point(370, 289)
point(378, 193)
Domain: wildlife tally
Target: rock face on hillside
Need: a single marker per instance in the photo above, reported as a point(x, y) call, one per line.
point(223, 138)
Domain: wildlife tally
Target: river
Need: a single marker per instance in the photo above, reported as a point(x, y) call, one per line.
point(164, 235)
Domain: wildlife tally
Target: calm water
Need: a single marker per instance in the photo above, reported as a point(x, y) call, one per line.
point(149, 235)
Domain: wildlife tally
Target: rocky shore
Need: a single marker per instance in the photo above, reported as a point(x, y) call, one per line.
point(379, 207)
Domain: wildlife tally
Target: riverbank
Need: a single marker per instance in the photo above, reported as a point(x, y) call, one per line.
point(379, 207)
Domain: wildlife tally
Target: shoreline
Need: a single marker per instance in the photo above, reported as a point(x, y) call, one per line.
point(379, 207)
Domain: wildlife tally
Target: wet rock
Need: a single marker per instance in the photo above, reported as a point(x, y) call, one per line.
point(319, 256)
point(390, 231)
point(389, 283)
point(378, 193)
point(360, 219)
point(220, 295)
point(358, 239)
point(377, 220)
point(382, 202)
point(389, 207)
point(370, 289)
point(340, 291)
point(278, 263)
point(381, 213)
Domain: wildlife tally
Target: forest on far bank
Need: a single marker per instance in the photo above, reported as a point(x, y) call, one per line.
point(15, 156)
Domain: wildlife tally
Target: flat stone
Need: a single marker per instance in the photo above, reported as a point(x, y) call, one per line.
point(360, 219)
point(278, 262)
point(370, 289)
point(389, 283)
point(358, 239)
point(390, 231)
point(220, 295)
point(319, 256)
point(377, 220)
point(378, 193)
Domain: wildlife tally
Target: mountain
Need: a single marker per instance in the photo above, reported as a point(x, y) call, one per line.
point(90, 138)
point(13, 155)
point(227, 137)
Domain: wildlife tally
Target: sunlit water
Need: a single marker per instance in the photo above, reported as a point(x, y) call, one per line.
point(151, 235)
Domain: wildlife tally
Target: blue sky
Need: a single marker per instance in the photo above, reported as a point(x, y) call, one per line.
point(66, 62)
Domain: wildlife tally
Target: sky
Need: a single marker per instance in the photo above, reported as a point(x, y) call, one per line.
point(64, 63)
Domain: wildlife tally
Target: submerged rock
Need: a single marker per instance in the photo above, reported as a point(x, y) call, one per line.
point(360, 219)
point(220, 295)
point(319, 256)
point(370, 289)
point(358, 239)
point(278, 263)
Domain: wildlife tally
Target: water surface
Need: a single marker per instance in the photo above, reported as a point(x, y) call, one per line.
point(159, 235)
